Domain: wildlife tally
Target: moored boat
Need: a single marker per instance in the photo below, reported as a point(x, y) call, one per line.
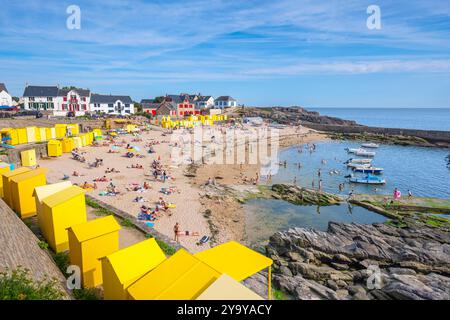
point(369, 179)
point(368, 169)
point(370, 145)
point(351, 160)
point(365, 153)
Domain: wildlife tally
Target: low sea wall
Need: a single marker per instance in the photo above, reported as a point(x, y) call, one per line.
point(432, 136)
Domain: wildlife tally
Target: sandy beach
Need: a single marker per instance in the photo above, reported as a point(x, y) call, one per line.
point(190, 205)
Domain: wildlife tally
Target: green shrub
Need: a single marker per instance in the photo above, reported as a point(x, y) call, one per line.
point(43, 245)
point(62, 260)
point(18, 285)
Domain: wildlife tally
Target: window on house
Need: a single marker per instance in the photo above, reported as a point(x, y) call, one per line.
point(49, 99)
point(31, 98)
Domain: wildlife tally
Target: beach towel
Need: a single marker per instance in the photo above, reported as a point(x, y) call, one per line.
point(150, 224)
point(203, 240)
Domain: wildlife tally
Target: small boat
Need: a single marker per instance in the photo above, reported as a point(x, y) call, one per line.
point(351, 160)
point(366, 169)
point(354, 150)
point(365, 153)
point(370, 145)
point(369, 179)
point(355, 165)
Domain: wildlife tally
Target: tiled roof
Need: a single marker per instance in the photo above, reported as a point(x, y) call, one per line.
point(41, 91)
point(3, 87)
point(100, 98)
point(225, 98)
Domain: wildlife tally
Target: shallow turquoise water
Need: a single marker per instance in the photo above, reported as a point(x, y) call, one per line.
point(421, 170)
point(265, 216)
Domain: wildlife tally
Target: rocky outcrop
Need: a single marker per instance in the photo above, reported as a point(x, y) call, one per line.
point(352, 261)
point(303, 196)
point(293, 115)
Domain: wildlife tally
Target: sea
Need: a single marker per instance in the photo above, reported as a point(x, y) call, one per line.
point(404, 118)
point(423, 171)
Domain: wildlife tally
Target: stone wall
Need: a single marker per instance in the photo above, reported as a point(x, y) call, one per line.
point(19, 247)
point(433, 136)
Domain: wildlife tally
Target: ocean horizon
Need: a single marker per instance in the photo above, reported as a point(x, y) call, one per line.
point(403, 118)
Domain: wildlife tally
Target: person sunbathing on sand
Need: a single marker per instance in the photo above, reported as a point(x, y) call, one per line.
point(76, 174)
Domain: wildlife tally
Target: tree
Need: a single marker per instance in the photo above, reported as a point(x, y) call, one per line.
point(137, 107)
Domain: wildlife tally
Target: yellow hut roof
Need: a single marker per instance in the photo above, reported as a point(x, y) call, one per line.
point(95, 228)
point(234, 259)
point(63, 196)
point(128, 262)
point(28, 174)
point(43, 192)
point(180, 277)
point(226, 288)
point(15, 172)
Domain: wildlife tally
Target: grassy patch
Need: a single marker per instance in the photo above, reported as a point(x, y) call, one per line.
point(165, 247)
point(62, 260)
point(99, 210)
point(127, 223)
point(396, 223)
point(18, 285)
point(86, 294)
point(278, 295)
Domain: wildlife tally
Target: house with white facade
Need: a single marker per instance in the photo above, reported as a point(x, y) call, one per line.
point(6, 100)
point(203, 102)
point(72, 100)
point(110, 104)
point(58, 101)
point(225, 102)
point(40, 98)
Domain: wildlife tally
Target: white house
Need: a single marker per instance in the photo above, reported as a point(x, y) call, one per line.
point(6, 100)
point(72, 100)
point(203, 102)
point(111, 104)
point(59, 101)
point(225, 102)
point(40, 98)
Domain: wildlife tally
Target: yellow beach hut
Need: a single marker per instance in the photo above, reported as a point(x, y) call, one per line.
point(4, 167)
point(67, 145)
point(54, 148)
point(237, 261)
point(125, 266)
point(28, 158)
point(6, 181)
point(226, 288)
point(90, 241)
point(22, 135)
point(42, 192)
point(22, 191)
point(180, 277)
point(60, 211)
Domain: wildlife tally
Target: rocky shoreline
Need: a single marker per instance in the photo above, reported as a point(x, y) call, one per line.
point(352, 261)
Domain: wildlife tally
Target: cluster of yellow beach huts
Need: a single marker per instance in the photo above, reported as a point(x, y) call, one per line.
point(140, 271)
point(192, 121)
point(62, 138)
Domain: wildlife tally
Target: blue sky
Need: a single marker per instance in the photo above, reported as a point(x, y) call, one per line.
point(312, 53)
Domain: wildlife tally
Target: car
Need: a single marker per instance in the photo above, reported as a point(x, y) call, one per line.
point(28, 113)
point(71, 114)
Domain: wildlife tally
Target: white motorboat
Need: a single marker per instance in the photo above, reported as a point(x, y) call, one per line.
point(354, 150)
point(361, 160)
point(365, 153)
point(368, 169)
point(370, 145)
